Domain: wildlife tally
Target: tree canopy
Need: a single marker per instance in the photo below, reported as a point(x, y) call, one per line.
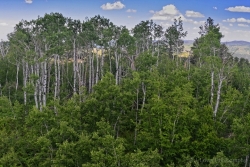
point(91, 93)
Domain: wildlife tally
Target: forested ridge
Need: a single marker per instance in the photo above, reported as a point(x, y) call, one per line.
point(93, 94)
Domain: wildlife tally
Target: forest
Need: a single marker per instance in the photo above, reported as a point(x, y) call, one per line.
point(93, 94)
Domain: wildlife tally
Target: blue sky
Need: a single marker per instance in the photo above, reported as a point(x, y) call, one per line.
point(233, 16)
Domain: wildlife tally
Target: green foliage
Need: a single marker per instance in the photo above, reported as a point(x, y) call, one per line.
point(134, 105)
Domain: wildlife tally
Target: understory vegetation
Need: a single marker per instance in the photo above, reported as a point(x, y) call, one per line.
point(93, 94)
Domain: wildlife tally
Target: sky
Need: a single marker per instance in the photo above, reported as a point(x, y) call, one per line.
point(233, 16)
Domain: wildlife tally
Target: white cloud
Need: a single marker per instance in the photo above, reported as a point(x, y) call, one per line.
point(239, 20)
point(28, 1)
point(231, 25)
point(165, 25)
point(112, 6)
point(151, 11)
point(168, 12)
point(243, 25)
point(224, 28)
point(243, 20)
point(129, 16)
point(3, 24)
point(215, 7)
point(232, 20)
point(199, 22)
point(196, 28)
point(190, 13)
point(131, 11)
point(238, 9)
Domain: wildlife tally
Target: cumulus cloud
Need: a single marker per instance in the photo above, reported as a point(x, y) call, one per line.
point(232, 20)
point(243, 25)
point(131, 11)
point(28, 1)
point(168, 12)
point(190, 13)
point(215, 7)
point(112, 6)
point(239, 20)
point(199, 22)
point(230, 25)
point(243, 20)
point(238, 9)
point(3, 24)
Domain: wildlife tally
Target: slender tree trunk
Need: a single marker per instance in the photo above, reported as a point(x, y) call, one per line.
point(59, 76)
point(48, 77)
point(93, 71)
point(44, 82)
point(110, 64)
point(212, 89)
point(158, 53)
point(90, 74)
point(17, 74)
point(36, 84)
point(74, 66)
point(25, 74)
point(174, 127)
point(246, 160)
point(56, 77)
point(119, 70)
point(102, 63)
point(136, 115)
point(40, 88)
point(85, 73)
point(116, 67)
point(221, 78)
point(144, 96)
point(97, 69)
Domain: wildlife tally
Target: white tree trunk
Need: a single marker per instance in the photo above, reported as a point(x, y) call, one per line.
point(56, 76)
point(97, 69)
point(59, 76)
point(44, 89)
point(221, 78)
point(102, 63)
point(25, 74)
point(90, 74)
point(74, 65)
point(212, 89)
point(36, 84)
point(93, 71)
point(158, 53)
point(17, 74)
point(116, 68)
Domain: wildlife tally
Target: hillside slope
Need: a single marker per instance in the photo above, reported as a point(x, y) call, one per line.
point(240, 49)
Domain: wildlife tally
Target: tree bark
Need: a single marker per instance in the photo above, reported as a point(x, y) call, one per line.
point(56, 77)
point(221, 78)
point(212, 89)
point(44, 90)
point(74, 65)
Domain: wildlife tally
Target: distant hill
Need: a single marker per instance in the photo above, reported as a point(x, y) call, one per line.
point(240, 49)
point(237, 43)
